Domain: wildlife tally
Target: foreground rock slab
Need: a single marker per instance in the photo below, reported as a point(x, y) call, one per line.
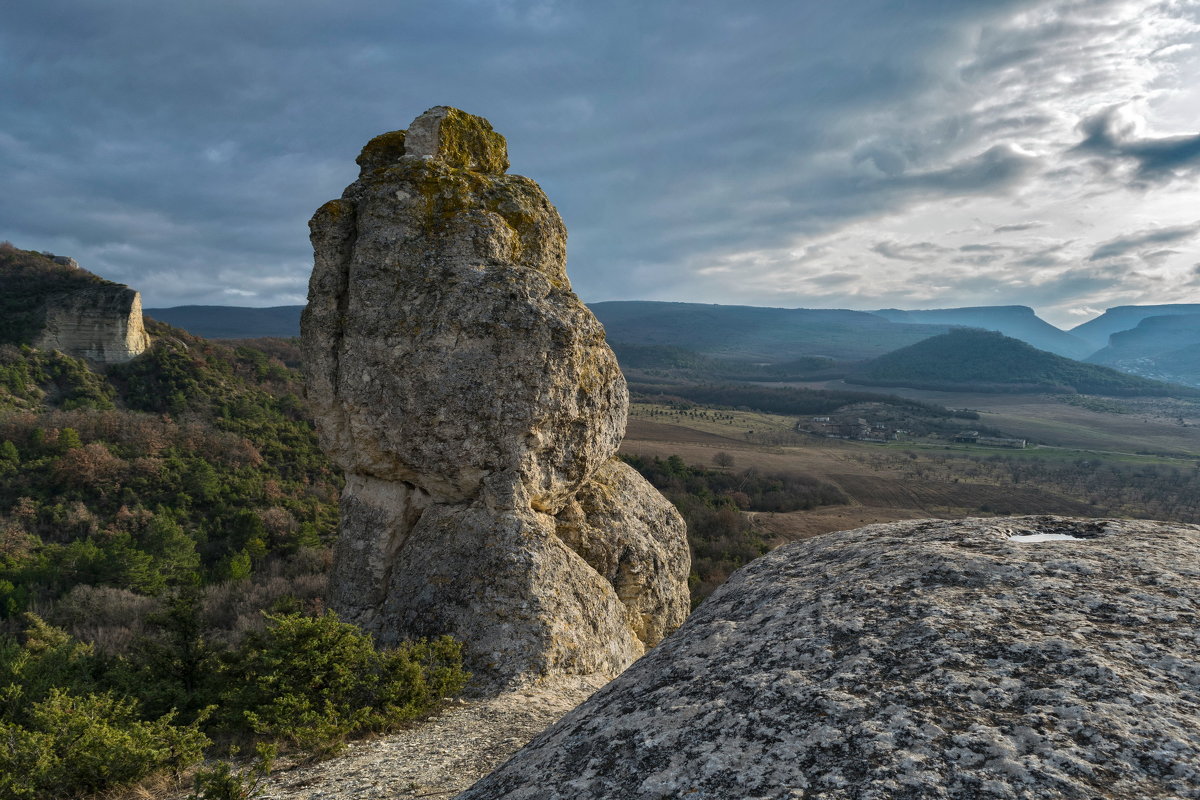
point(979, 658)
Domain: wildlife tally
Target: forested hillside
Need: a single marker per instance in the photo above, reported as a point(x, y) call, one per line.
point(164, 535)
point(194, 463)
point(986, 361)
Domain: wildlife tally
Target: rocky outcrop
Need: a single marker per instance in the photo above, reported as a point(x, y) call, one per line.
point(475, 407)
point(49, 302)
point(102, 323)
point(1029, 657)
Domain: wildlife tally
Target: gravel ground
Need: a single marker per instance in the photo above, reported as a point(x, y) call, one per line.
point(436, 759)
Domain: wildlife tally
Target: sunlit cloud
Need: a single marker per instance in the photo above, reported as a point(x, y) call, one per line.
point(864, 154)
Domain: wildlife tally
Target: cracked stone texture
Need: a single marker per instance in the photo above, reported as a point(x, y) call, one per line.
point(928, 659)
point(100, 323)
point(618, 498)
point(470, 396)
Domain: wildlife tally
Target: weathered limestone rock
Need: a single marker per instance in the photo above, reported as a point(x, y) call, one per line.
point(102, 323)
point(470, 396)
point(628, 532)
point(928, 659)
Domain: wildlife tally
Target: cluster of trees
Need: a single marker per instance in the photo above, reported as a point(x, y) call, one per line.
point(1146, 491)
point(1110, 487)
point(711, 501)
point(31, 379)
point(74, 719)
point(192, 464)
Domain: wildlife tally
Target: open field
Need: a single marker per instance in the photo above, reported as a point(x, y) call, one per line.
point(926, 478)
point(1148, 425)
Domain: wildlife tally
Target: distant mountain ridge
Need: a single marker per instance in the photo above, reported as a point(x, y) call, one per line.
point(968, 359)
point(776, 336)
point(232, 322)
point(1122, 318)
point(751, 332)
point(1017, 322)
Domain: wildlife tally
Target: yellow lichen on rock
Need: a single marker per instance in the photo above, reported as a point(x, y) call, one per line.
point(458, 139)
point(382, 151)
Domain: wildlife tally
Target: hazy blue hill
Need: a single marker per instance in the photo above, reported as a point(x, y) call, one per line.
point(968, 359)
point(1122, 318)
point(1152, 336)
point(1162, 348)
point(1019, 322)
point(665, 361)
point(232, 322)
point(766, 334)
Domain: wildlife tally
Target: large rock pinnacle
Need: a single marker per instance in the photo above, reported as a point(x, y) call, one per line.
point(476, 409)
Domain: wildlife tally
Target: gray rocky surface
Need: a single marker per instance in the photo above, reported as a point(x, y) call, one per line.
point(628, 533)
point(102, 323)
point(435, 757)
point(471, 399)
point(929, 659)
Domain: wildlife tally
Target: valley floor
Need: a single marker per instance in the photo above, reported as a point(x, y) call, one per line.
point(921, 479)
point(1127, 424)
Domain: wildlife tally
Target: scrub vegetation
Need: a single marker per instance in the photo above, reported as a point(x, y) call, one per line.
point(164, 535)
point(711, 501)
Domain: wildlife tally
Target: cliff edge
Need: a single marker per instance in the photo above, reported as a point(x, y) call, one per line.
point(50, 303)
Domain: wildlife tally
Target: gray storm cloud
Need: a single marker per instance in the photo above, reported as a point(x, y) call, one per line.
point(182, 147)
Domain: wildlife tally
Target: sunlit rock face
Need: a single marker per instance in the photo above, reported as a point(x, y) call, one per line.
point(1022, 657)
point(470, 398)
point(102, 323)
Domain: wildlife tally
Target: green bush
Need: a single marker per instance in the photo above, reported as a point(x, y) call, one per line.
point(314, 681)
point(47, 659)
point(60, 735)
point(87, 743)
point(222, 782)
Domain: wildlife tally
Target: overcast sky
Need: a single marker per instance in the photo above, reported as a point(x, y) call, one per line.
point(807, 153)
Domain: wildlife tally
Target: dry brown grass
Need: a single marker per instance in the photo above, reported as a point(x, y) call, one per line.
point(878, 491)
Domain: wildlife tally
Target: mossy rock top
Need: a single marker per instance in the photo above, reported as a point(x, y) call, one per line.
point(454, 137)
point(384, 149)
point(459, 139)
